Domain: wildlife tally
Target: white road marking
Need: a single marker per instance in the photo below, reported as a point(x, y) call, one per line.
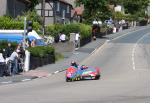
point(25, 80)
point(93, 53)
point(49, 75)
point(107, 41)
point(56, 72)
point(134, 49)
point(6, 82)
point(133, 61)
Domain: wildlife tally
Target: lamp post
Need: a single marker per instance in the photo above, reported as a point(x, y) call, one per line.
point(24, 34)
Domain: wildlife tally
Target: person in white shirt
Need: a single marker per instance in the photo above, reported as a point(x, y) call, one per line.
point(13, 56)
point(2, 60)
point(2, 65)
point(62, 37)
point(14, 62)
point(77, 40)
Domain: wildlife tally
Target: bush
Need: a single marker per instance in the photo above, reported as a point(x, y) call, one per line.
point(41, 55)
point(9, 23)
point(85, 30)
point(71, 28)
point(41, 51)
point(53, 30)
point(143, 22)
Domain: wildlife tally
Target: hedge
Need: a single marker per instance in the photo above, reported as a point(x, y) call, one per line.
point(41, 51)
point(9, 23)
point(41, 55)
point(38, 51)
point(53, 30)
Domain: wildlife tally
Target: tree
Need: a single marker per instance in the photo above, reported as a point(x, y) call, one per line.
point(99, 9)
point(95, 9)
point(115, 2)
point(33, 4)
point(135, 6)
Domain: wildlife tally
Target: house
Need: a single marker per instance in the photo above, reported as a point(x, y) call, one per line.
point(72, 2)
point(56, 11)
point(77, 13)
point(13, 7)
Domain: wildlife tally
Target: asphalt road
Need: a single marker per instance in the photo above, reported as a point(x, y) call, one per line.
point(125, 67)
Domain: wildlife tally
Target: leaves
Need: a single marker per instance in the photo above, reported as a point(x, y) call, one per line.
point(95, 9)
point(99, 9)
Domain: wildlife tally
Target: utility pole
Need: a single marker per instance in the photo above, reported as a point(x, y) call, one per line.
point(43, 16)
point(24, 35)
point(54, 10)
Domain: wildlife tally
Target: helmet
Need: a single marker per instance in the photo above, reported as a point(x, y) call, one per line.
point(73, 63)
point(84, 67)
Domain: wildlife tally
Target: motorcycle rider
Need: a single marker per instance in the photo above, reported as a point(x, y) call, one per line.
point(83, 67)
point(73, 63)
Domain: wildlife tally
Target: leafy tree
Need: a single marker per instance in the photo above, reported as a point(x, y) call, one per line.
point(99, 9)
point(95, 9)
point(115, 2)
point(135, 6)
point(34, 3)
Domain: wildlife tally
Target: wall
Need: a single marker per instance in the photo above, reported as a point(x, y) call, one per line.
point(15, 8)
point(3, 7)
point(48, 20)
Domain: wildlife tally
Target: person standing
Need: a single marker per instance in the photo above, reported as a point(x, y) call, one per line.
point(27, 43)
point(33, 43)
point(77, 40)
point(2, 65)
point(8, 51)
point(14, 62)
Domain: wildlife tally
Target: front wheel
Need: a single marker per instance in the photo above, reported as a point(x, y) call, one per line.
point(97, 77)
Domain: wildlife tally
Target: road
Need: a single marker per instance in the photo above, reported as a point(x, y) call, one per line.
point(125, 67)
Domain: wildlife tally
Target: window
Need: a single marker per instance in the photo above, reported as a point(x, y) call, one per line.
point(68, 9)
point(63, 14)
point(58, 6)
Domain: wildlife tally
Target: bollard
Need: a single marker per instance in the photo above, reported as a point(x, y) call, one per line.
point(27, 61)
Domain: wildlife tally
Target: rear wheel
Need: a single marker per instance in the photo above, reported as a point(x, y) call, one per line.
point(67, 80)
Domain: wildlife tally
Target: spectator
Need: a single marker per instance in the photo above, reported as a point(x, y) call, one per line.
point(62, 37)
point(77, 40)
point(94, 30)
point(8, 51)
point(2, 65)
point(1, 58)
point(114, 29)
point(33, 43)
point(56, 38)
point(21, 57)
point(14, 62)
point(27, 43)
point(20, 50)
